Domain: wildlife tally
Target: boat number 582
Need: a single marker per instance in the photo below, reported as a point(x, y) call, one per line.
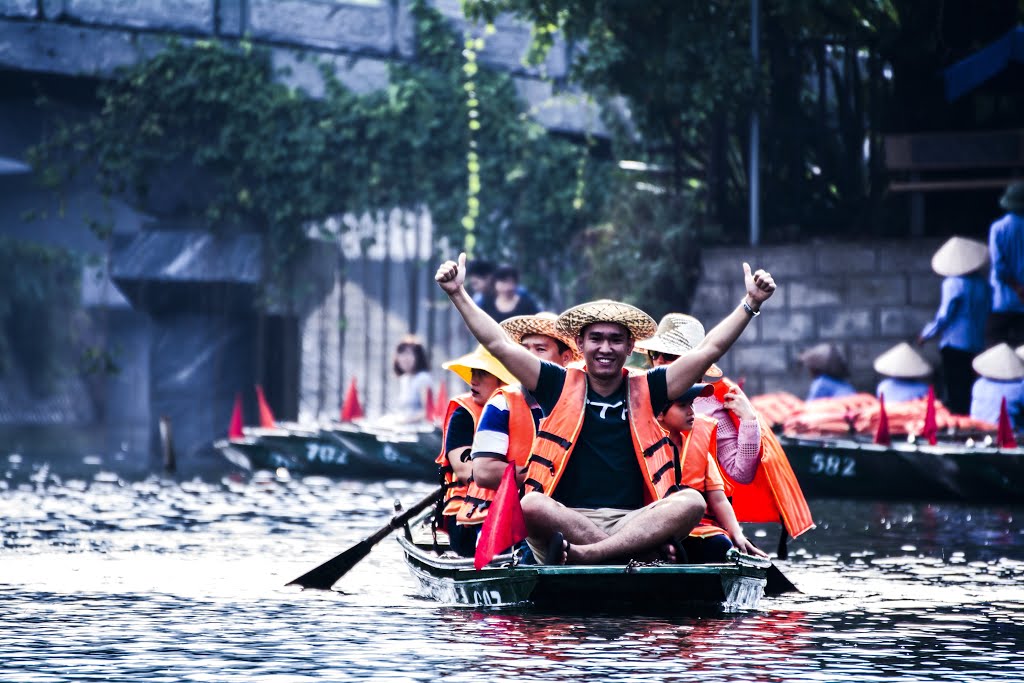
point(833, 465)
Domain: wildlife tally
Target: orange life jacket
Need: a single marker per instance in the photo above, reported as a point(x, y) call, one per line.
point(700, 442)
point(521, 433)
point(454, 495)
point(557, 437)
point(774, 495)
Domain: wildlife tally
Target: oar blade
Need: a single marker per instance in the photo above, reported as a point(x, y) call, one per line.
point(777, 583)
point(328, 573)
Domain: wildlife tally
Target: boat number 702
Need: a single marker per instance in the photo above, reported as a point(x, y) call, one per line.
point(832, 465)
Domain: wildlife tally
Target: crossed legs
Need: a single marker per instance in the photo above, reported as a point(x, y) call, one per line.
point(633, 534)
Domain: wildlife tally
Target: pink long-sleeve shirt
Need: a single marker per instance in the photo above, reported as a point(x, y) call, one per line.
point(738, 449)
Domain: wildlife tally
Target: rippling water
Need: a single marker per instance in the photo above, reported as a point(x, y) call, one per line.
point(165, 580)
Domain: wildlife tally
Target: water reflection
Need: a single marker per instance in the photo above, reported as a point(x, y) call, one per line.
point(115, 577)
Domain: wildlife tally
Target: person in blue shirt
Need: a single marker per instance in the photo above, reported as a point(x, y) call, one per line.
point(1002, 376)
point(906, 374)
point(827, 366)
point(959, 322)
point(1006, 249)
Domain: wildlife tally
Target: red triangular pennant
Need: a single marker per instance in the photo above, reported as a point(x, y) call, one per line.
point(1005, 437)
point(235, 426)
point(351, 409)
point(882, 436)
point(931, 430)
point(441, 402)
point(505, 525)
point(428, 405)
point(266, 416)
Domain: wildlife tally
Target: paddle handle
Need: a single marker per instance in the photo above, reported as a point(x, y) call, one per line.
point(399, 520)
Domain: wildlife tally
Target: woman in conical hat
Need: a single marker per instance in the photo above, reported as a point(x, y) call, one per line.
point(960, 321)
point(1002, 377)
point(827, 366)
point(1006, 276)
point(739, 441)
point(906, 374)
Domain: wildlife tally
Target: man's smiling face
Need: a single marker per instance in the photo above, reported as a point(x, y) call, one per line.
point(605, 348)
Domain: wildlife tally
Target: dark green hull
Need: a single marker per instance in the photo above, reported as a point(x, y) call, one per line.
point(643, 589)
point(336, 451)
point(844, 468)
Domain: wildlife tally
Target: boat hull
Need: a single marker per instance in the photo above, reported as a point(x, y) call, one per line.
point(642, 588)
point(336, 451)
point(849, 469)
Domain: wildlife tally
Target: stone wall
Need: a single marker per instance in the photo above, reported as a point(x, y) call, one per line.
point(357, 37)
point(864, 297)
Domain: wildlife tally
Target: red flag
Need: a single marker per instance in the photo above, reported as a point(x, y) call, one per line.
point(1005, 437)
point(931, 430)
point(504, 525)
point(351, 409)
point(266, 416)
point(428, 406)
point(441, 403)
point(235, 426)
point(882, 436)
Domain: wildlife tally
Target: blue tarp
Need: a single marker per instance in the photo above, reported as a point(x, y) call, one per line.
point(969, 73)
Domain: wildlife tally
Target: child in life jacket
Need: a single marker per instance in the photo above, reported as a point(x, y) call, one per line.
point(694, 438)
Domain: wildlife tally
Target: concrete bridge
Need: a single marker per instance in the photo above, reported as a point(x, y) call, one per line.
point(359, 37)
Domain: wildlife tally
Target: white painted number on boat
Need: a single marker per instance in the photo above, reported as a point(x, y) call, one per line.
point(325, 453)
point(486, 597)
point(832, 465)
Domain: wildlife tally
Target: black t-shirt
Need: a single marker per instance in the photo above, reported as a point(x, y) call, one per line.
point(460, 430)
point(603, 470)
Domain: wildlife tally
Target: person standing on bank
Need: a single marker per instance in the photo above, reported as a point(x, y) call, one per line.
point(1006, 249)
point(960, 321)
point(599, 484)
point(509, 299)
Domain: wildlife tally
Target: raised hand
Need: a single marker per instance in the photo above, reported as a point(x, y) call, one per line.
point(738, 403)
point(451, 275)
point(760, 285)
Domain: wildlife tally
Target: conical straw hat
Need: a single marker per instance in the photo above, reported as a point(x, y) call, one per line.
point(999, 362)
point(959, 256)
point(1019, 351)
point(902, 361)
point(639, 324)
point(825, 358)
point(544, 323)
point(677, 334)
point(479, 359)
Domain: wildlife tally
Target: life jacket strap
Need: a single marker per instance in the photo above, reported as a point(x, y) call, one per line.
point(563, 442)
point(656, 477)
point(543, 461)
point(537, 486)
point(653, 448)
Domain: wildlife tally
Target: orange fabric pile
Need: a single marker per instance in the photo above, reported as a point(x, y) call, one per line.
point(858, 413)
point(776, 407)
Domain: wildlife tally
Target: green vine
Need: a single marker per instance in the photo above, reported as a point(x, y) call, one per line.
point(209, 134)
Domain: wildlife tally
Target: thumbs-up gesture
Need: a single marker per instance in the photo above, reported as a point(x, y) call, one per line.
point(451, 275)
point(760, 285)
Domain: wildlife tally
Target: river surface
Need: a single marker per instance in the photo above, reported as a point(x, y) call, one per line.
point(104, 578)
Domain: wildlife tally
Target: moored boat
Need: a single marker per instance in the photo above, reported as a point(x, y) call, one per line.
point(848, 468)
point(672, 588)
point(337, 449)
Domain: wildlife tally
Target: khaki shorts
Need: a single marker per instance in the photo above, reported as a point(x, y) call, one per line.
point(608, 520)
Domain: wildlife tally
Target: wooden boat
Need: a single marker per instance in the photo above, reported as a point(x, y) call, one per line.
point(337, 449)
point(672, 588)
point(848, 468)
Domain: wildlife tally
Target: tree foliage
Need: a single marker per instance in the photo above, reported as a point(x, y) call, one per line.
point(209, 133)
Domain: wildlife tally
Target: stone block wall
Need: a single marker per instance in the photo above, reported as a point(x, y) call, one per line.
point(865, 297)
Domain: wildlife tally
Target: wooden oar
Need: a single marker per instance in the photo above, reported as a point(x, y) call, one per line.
point(328, 573)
